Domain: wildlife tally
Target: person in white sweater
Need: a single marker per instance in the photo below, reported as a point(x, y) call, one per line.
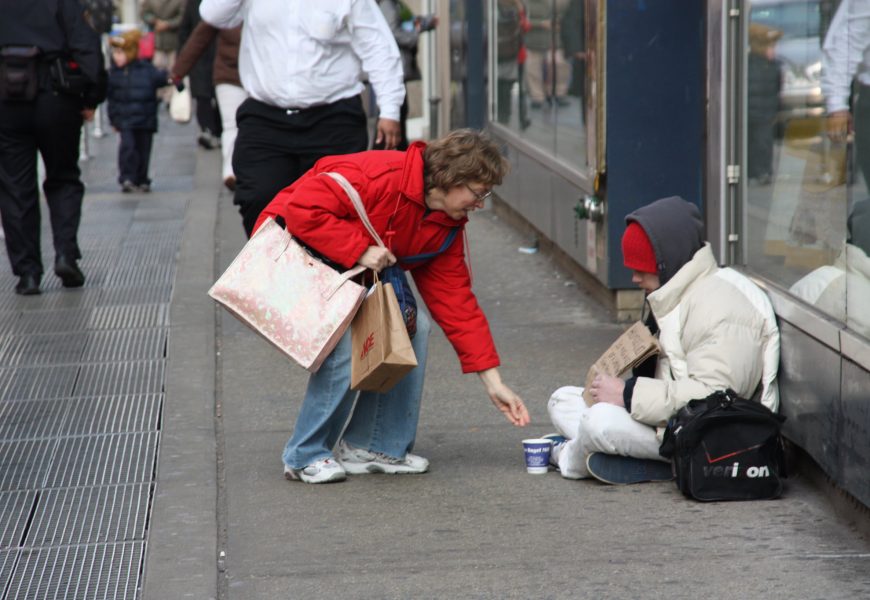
point(716, 328)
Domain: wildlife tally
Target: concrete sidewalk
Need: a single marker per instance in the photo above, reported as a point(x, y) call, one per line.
point(226, 524)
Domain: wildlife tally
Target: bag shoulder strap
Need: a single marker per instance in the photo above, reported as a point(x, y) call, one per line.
point(357, 204)
point(361, 211)
point(426, 256)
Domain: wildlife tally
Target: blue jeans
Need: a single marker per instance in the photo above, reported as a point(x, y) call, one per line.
point(385, 423)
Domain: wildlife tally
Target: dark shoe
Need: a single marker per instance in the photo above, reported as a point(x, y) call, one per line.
point(622, 470)
point(128, 187)
point(69, 272)
point(28, 285)
point(143, 188)
point(208, 141)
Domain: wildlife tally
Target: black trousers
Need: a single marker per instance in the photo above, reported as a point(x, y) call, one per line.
point(208, 116)
point(51, 125)
point(134, 156)
point(275, 146)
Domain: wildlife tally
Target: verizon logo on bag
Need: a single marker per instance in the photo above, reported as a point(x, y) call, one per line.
point(726, 448)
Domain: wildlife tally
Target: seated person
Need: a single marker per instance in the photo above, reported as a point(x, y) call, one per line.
point(716, 328)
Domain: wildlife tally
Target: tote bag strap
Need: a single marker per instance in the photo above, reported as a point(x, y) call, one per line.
point(361, 211)
point(357, 204)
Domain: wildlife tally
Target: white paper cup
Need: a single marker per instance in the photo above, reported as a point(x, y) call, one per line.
point(537, 453)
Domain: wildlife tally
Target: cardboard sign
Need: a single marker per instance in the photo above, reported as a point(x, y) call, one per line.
point(631, 348)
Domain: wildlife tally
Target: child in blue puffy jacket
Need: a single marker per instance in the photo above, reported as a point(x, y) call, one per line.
point(133, 104)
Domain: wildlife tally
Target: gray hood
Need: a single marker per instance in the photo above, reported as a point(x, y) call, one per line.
point(675, 229)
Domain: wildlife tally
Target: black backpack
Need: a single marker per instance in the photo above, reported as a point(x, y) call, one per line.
point(726, 448)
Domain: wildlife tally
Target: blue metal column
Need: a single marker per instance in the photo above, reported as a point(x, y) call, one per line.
point(655, 111)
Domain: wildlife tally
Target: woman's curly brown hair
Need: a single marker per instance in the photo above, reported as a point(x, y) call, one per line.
point(460, 157)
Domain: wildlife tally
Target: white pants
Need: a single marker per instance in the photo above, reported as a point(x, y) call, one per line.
point(601, 427)
point(229, 97)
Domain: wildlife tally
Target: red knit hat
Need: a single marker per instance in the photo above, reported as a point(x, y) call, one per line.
point(637, 250)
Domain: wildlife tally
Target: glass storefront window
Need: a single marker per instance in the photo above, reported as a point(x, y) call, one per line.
point(808, 152)
point(540, 67)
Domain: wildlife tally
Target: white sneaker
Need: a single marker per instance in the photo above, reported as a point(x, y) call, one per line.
point(357, 461)
point(325, 470)
point(559, 442)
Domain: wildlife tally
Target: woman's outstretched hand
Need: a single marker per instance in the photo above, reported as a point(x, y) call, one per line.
point(504, 398)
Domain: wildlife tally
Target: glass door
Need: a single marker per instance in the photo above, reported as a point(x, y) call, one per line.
point(806, 151)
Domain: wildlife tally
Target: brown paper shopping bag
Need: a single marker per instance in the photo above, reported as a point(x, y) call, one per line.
point(382, 352)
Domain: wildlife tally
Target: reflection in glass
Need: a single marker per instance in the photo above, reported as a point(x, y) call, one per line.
point(540, 62)
point(510, 22)
point(799, 184)
point(842, 289)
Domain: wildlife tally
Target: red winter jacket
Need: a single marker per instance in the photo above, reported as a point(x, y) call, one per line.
point(318, 212)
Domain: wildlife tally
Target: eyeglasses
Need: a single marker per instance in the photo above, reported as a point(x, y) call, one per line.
point(481, 198)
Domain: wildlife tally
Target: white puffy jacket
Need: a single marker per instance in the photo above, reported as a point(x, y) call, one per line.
point(717, 331)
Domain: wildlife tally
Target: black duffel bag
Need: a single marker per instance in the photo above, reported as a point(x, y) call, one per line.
point(726, 448)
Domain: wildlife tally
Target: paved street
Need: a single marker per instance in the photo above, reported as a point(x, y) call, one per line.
point(205, 509)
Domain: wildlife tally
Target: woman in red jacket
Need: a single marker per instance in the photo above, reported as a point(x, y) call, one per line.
point(415, 200)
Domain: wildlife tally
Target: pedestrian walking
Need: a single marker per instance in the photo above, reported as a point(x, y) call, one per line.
point(302, 64)
point(406, 30)
point(164, 19)
point(52, 78)
point(201, 84)
point(416, 200)
point(133, 105)
point(225, 75)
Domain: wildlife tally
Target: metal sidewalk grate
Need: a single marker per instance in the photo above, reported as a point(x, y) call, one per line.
point(103, 460)
point(142, 275)
point(37, 383)
point(53, 297)
point(7, 564)
point(113, 414)
point(24, 463)
point(81, 389)
point(42, 349)
point(15, 510)
point(154, 234)
point(113, 379)
point(52, 321)
point(9, 321)
point(129, 316)
point(95, 572)
point(157, 294)
point(32, 419)
point(124, 345)
point(148, 254)
point(87, 515)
